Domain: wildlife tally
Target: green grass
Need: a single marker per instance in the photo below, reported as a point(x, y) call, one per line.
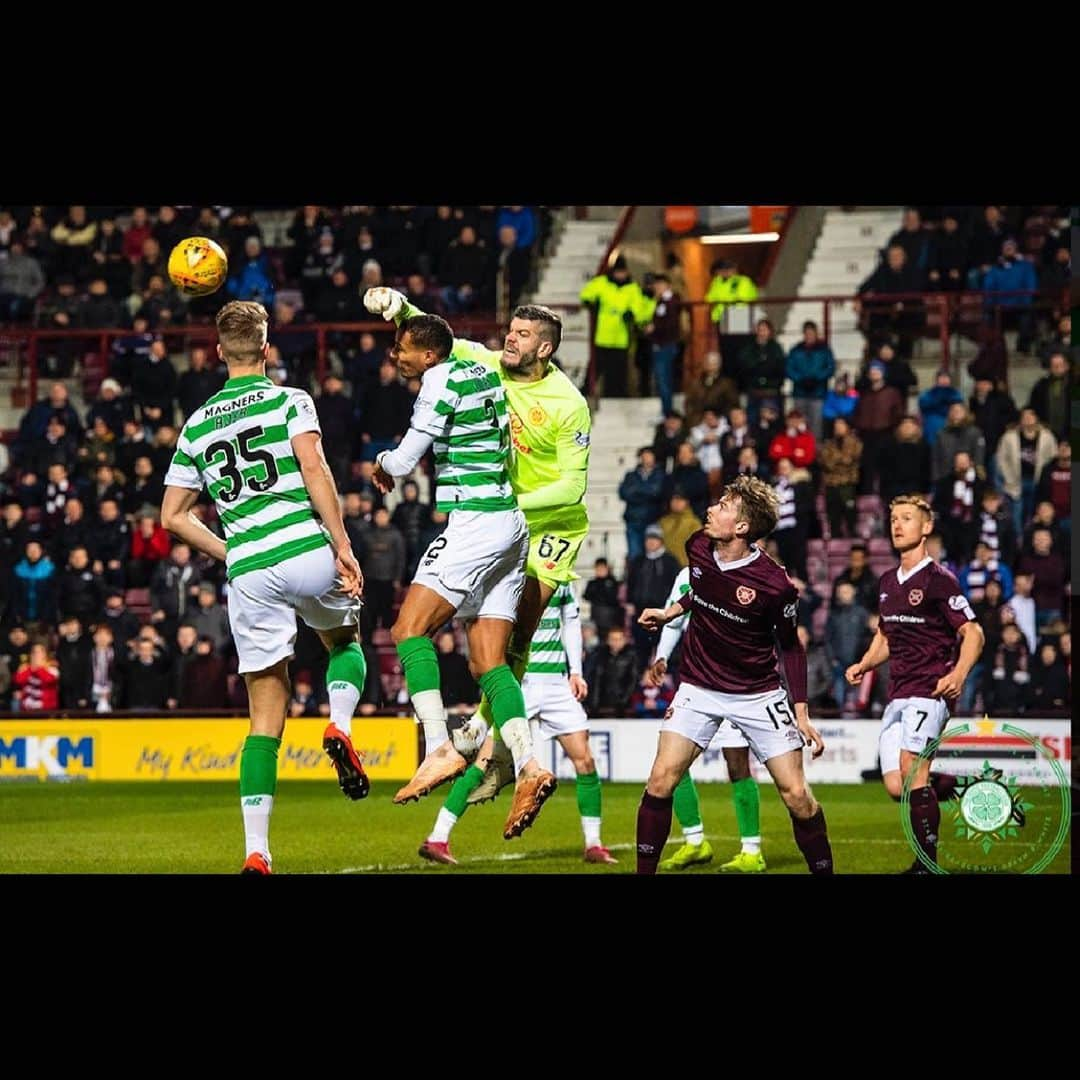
point(191, 827)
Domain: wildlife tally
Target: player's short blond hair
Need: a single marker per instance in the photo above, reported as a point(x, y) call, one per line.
point(913, 500)
point(241, 327)
point(759, 505)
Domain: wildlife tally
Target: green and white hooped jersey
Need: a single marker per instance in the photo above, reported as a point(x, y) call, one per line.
point(548, 650)
point(239, 445)
point(462, 406)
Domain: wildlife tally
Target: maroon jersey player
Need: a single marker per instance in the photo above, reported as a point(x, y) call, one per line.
point(745, 617)
point(928, 633)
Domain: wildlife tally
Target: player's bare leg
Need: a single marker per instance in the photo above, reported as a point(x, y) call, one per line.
point(576, 747)
point(674, 756)
point(488, 640)
point(268, 700)
point(807, 817)
point(422, 613)
point(747, 799)
point(345, 676)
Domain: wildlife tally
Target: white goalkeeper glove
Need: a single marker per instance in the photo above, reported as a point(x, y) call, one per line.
point(385, 302)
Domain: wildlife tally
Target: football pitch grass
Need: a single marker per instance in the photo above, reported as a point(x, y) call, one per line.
point(195, 828)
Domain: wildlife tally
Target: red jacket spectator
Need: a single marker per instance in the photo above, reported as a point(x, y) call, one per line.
point(154, 545)
point(796, 443)
point(136, 233)
point(38, 682)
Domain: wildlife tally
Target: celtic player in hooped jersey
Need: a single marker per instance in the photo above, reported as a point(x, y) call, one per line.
point(744, 789)
point(474, 569)
point(554, 689)
point(550, 432)
point(258, 449)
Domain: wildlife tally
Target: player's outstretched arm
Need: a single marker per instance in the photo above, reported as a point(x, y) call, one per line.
point(874, 657)
point(972, 641)
point(793, 659)
point(654, 618)
point(177, 517)
point(319, 481)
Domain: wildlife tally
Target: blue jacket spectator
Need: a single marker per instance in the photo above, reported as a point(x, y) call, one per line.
point(1010, 273)
point(642, 489)
point(810, 365)
point(934, 405)
point(252, 281)
point(840, 400)
point(523, 221)
point(35, 586)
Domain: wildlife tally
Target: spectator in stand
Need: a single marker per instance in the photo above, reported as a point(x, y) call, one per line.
point(39, 244)
point(1050, 689)
point(1011, 274)
point(949, 256)
point(614, 673)
point(1023, 454)
point(385, 418)
point(35, 422)
point(512, 264)
point(747, 465)
point(168, 230)
point(383, 560)
point(738, 435)
point(1055, 486)
point(649, 578)
point(149, 548)
point(37, 682)
point(73, 236)
point(860, 577)
point(410, 518)
point(339, 301)
point(678, 525)
point(985, 567)
point(898, 371)
point(72, 531)
point(762, 368)
point(728, 289)
point(796, 509)
point(181, 653)
point(112, 406)
point(98, 448)
point(123, 623)
point(840, 457)
point(21, 283)
point(619, 304)
point(465, 272)
point(174, 589)
point(916, 241)
point(34, 593)
point(670, 434)
point(904, 463)
point(363, 251)
point(205, 682)
point(73, 654)
point(523, 221)
point(810, 366)
point(840, 402)
point(958, 436)
point(110, 537)
point(795, 443)
point(296, 346)
point(1060, 341)
point(935, 403)
point(150, 264)
point(335, 412)
point(305, 701)
point(58, 447)
point(358, 516)
point(706, 438)
point(81, 591)
point(136, 233)
point(957, 497)
point(106, 688)
point(984, 246)
point(1006, 691)
point(1044, 518)
point(252, 278)
point(993, 411)
point(199, 383)
point(883, 318)
point(101, 311)
point(153, 380)
point(144, 489)
point(1050, 397)
point(146, 676)
point(664, 332)
point(461, 695)
point(711, 390)
point(689, 478)
point(847, 635)
point(602, 594)
point(308, 225)
point(209, 618)
point(876, 415)
point(996, 527)
point(642, 489)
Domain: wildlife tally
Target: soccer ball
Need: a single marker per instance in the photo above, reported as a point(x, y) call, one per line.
point(198, 266)
point(469, 737)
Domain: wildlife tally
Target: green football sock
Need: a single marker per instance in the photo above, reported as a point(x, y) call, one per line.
point(518, 663)
point(747, 807)
point(503, 690)
point(421, 667)
point(588, 804)
point(258, 765)
point(464, 786)
point(686, 806)
point(345, 677)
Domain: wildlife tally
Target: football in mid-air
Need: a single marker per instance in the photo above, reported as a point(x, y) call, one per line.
point(198, 266)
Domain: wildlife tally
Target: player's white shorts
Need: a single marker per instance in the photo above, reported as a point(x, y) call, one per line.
point(478, 563)
point(263, 605)
point(551, 708)
point(909, 723)
point(765, 720)
point(729, 737)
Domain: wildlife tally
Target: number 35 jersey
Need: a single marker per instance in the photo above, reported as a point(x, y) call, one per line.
point(239, 445)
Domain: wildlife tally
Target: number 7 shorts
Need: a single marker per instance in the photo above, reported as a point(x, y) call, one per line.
point(764, 720)
point(911, 723)
point(263, 605)
point(478, 563)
